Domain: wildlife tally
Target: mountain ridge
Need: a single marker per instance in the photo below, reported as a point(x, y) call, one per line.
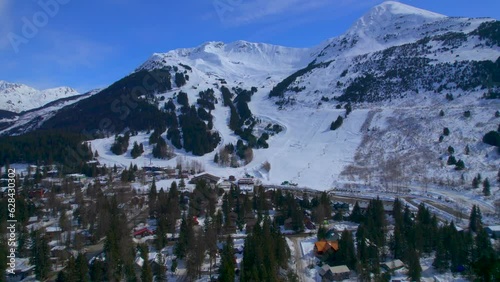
point(17, 97)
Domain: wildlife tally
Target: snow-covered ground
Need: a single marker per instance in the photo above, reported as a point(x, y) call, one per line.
point(307, 152)
point(16, 97)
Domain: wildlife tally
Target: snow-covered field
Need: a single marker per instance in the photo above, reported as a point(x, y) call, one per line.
point(307, 152)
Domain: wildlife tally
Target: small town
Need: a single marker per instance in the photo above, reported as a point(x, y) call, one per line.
point(181, 224)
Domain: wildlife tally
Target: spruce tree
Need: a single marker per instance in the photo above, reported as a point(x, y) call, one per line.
point(136, 150)
point(337, 123)
point(173, 267)
point(397, 243)
point(446, 131)
point(451, 150)
point(160, 274)
point(475, 183)
point(347, 253)
point(81, 268)
point(460, 165)
point(486, 187)
point(475, 219)
point(40, 255)
point(440, 261)
point(356, 215)
point(185, 236)
point(485, 259)
point(451, 160)
point(146, 272)
point(227, 265)
point(414, 268)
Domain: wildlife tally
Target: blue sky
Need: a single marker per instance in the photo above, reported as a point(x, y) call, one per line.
point(92, 43)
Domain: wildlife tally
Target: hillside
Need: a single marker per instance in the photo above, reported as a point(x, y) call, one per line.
point(251, 106)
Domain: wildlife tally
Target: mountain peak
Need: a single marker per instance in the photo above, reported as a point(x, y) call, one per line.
point(8, 85)
point(17, 97)
point(390, 13)
point(398, 8)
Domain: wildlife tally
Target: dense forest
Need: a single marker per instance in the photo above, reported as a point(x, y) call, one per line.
point(45, 147)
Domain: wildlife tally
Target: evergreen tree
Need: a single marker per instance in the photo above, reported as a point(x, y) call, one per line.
point(397, 243)
point(451, 150)
point(460, 165)
point(440, 263)
point(492, 138)
point(161, 149)
point(348, 109)
point(265, 253)
point(182, 99)
point(136, 150)
point(485, 259)
point(446, 131)
point(486, 187)
point(227, 265)
point(322, 232)
point(346, 254)
point(337, 123)
point(451, 160)
point(185, 236)
point(475, 219)
point(69, 272)
point(397, 212)
point(97, 271)
point(414, 268)
point(173, 267)
point(146, 272)
point(161, 270)
point(81, 268)
point(179, 79)
point(356, 215)
point(234, 119)
point(475, 182)
point(40, 255)
point(4, 252)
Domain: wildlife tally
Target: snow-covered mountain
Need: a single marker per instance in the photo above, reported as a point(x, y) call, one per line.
point(237, 62)
point(397, 67)
point(16, 97)
point(16, 124)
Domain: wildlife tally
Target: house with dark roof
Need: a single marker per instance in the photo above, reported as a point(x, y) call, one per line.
point(493, 231)
point(334, 273)
point(22, 270)
point(393, 265)
point(209, 179)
